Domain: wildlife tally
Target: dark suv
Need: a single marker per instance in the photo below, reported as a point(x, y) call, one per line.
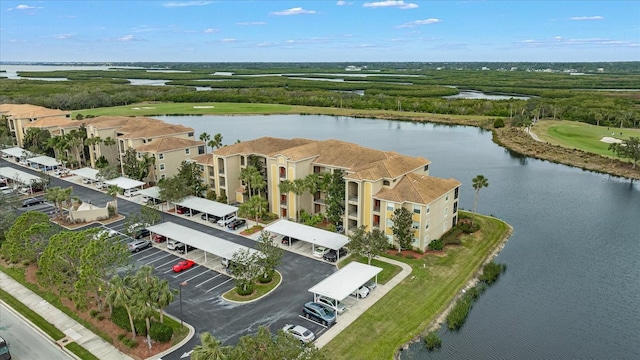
point(332, 255)
point(31, 201)
point(319, 313)
point(140, 233)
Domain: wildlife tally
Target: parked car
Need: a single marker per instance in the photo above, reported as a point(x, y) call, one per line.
point(191, 213)
point(181, 210)
point(371, 285)
point(320, 251)
point(159, 238)
point(87, 181)
point(172, 244)
point(61, 171)
point(214, 219)
point(361, 293)
point(299, 332)
point(288, 240)
point(225, 221)
point(332, 304)
point(31, 202)
point(5, 190)
point(139, 233)
point(131, 192)
point(108, 233)
point(183, 265)
point(332, 255)
point(205, 216)
point(319, 313)
point(182, 248)
point(236, 223)
point(100, 185)
point(138, 245)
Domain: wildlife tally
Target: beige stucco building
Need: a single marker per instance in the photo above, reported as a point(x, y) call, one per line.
point(22, 116)
point(376, 183)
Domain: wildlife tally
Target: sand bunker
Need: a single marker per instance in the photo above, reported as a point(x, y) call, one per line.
point(142, 108)
point(203, 107)
point(610, 140)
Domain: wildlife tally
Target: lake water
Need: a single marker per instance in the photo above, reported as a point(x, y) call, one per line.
point(572, 286)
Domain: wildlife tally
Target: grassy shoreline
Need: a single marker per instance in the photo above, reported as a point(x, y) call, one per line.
point(422, 300)
point(514, 139)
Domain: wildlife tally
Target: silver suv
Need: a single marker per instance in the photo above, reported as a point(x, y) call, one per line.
point(138, 245)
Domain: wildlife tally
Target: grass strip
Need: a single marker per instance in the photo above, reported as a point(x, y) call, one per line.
point(18, 275)
point(408, 309)
point(260, 290)
point(388, 270)
point(36, 319)
point(81, 352)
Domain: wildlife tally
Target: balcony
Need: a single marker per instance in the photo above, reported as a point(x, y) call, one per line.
point(353, 198)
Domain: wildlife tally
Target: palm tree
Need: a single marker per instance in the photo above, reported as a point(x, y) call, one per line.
point(216, 141)
point(113, 191)
point(298, 187)
point(165, 296)
point(210, 348)
point(249, 175)
point(204, 137)
point(110, 142)
point(119, 293)
point(478, 182)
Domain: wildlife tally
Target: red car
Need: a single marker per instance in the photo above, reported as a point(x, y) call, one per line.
point(159, 238)
point(180, 210)
point(183, 265)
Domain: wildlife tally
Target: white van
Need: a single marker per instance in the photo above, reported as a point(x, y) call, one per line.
point(225, 221)
point(131, 192)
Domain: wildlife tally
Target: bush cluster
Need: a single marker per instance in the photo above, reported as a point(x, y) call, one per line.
point(498, 123)
point(242, 291)
point(468, 229)
point(160, 332)
point(432, 341)
point(157, 331)
point(491, 272)
point(435, 245)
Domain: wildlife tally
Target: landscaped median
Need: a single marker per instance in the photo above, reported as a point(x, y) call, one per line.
point(414, 304)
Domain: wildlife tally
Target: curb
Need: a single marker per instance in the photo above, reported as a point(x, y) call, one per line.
point(175, 347)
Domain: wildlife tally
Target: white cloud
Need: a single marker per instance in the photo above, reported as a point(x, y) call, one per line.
point(230, 40)
point(391, 3)
point(343, 3)
point(586, 18)
point(186, 3)
point(557, 41)
point(127, 38)
point(23, 7)
point(293, 11)
point(251, 23)
point(415, 23)
point(210, 31)
point(64, 36)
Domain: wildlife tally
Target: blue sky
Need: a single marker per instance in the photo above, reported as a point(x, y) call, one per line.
point(313, 31)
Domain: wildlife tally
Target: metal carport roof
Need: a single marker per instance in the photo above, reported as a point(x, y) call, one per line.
point(124, 183)
point(203, 241)
point(309, 234)
point(17, 152)
point(44, 160)
point(18, 175)
point(152, 192)
point(86, 172)
point(207, 206)
point(345, 281)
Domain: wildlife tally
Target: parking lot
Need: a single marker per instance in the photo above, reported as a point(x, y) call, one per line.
point(200, 303)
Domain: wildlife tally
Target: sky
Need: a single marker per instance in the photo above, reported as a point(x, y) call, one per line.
point(319, 31)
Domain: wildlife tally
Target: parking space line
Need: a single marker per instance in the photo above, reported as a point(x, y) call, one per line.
point(162, 257)
point(144, 257)
point(313, 321)
point(193, 277)
point(167, 263)
point(186, 271)
point(217, 286)
point(206, 281)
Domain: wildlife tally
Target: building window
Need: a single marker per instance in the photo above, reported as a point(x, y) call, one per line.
point(426, 167)
point(190, 134)
point(446, 211)
point(455, 193)
point(201, 167)
point(426, 225)
point(428, 209)
point(161, 167)
point(187, 151)
point(415, 225)
point(283, 173)
point(160, 156)
point(385, 182)
point(201, 150)
point(446, 198)
point(163, 176)
point(416, 209)
point(241, 160)
point(389, 223)
point(455, 207)
point(138, 155)
point(389, 207)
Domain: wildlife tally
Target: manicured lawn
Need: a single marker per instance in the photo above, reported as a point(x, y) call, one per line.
point(36, 319)
point(260, 290)
point(81, 352)
point(411, 306)
point(388, 270)
point(582, 136)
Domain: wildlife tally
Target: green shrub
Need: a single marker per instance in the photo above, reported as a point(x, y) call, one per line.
point(129, 342)
point(432, 341)
point(410, 256)
point(119, 317)
point(435, 245)
point(160, 332)
point(25, 262)
point(459, 313)
point(265, 279)
point(498, 123)
point(468, 229)
point(491, 272)
point(93, 313)
point(242, 291)
point(100, 317)
point(122, 336)
point(451, 241)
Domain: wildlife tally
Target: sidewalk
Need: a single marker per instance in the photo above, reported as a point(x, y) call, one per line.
point(75, 331)
point(354, 312)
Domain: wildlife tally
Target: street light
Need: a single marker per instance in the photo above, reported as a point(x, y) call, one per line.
point(184, 283)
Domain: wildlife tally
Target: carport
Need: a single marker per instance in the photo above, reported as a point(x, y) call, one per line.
point(308, 234)
point(206, 206)
point(18, 176)
point(151, 193)
point(86, 173)
point(124, 183)
point(44, 163)
point(345, 281)
point(17, 153)
point(203, 241)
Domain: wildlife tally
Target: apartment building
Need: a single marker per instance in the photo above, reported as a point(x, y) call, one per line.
point(376, 183)
point(22, 116)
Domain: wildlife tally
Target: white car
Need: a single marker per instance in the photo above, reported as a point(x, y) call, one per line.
point(87, 181)
point(105, 232)
point(100, 185)
point(173, 244)
point(320, 251)
point(131, 192)
point(299, 332)
point(361, 293)
point(332, 304)
point(61, 171)
point(225, 221)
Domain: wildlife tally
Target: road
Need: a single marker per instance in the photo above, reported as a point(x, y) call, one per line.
point(25, 342)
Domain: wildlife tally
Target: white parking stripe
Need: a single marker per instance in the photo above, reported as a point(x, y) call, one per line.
point(142, 258)
point(313, 321)
point(206, 281)
point(215, 287)
point(186, 271)
point(167, 263)
point(162, 257)
point(193, 277)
